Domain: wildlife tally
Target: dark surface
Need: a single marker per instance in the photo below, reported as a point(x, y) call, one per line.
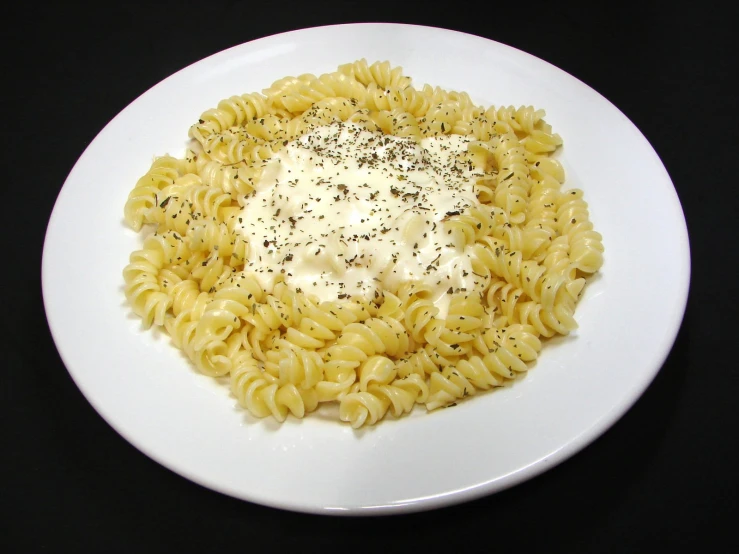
point(665, 476)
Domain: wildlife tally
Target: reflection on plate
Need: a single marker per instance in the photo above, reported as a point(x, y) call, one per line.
point(147, 391)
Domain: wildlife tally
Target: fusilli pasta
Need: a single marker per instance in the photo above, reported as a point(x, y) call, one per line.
point(529, 246)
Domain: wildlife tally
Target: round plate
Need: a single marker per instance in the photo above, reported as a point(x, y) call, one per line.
point(148, 391)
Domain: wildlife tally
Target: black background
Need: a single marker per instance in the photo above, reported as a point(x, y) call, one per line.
point(665, 476)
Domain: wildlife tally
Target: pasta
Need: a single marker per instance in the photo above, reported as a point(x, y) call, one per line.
point(350, 239)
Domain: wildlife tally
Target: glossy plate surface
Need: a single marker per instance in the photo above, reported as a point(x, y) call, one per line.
point(146, 390)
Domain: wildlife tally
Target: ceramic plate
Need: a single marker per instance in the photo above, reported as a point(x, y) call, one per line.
point(148, 392)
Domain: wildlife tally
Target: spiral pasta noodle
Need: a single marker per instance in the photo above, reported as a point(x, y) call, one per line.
point(529, 242)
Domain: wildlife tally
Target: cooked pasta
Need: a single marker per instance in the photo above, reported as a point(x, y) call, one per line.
point(351, 239)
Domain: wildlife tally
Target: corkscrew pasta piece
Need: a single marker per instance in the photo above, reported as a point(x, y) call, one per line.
point(339, 370)
point(235, 179)
point(333, 85)
point(422, 362)
point(363, 408)
point(402, 394)
point(285, 85)
point(513, 184)
point(407, 99)
point(380, 73)
point(512, 248)
point(509, 350)
point(586, 245)
point(232, 111)
point(441, 118)
point(541, 141)
point(472, 225)
point(262, 395)
point(185, 294)
point(142, 288)
point(396, 122)
point(376, 335)
point(540, 228)
point(293, 364)
point(370, 404)
point(522, 121)
point(418, 319)
point(143, 197)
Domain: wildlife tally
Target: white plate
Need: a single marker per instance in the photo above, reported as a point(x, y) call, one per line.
point(146, 390)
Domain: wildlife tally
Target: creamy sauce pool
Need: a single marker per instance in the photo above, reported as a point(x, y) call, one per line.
point(343, 212)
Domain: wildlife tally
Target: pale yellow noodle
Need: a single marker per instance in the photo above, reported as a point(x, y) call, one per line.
point(531, 242)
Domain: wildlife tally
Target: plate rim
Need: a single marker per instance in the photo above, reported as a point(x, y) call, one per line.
point(595, 429)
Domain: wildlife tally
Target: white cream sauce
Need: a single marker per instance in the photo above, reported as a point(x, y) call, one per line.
point(343, 212)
